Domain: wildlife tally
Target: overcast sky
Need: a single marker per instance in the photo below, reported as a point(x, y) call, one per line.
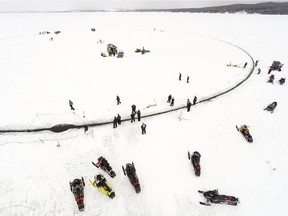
point(52, 5)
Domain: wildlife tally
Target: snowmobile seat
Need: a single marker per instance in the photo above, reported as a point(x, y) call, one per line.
point(197, 154)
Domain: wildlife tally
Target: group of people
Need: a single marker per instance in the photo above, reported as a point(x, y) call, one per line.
point(117, 119)
point(180, 78)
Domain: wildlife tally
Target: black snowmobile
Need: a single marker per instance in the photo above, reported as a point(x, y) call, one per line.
point(77, 188)
point(245, 132)
point(195, 160)
point(271, 79)
point(282, 81)
point(104, 165)
point(213, 196)
point(271, 107)
point(133, 178)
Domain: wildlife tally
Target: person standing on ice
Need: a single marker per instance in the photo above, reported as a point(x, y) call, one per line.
point(169, 98)
point(172, 102)
point(139, 115)
point(194, 100)
point(187, 79)
point(143, 128)
point(189, 104)
point(132, 117)
point(118, 100)
point(180, 75)
point(118, 119)
point(133, 108)
point(245, 65)
point(115, 122)
point(71, 105)
point(256, 63)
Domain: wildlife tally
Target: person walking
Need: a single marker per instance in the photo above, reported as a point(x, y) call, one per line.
point(189, 104)
point(194, 100)
point(143, 128)
point(118, 100)
point(118, 119)
point(245, 65)
point(133, 108)
point(132, 117)
point(139, 115)
point(71, 105)
point(180, 75)
point(187, 81)
point(115, 122)
point(172, 102)
point(169, 98)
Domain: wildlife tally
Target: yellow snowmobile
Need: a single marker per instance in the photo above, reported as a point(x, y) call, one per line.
point(101, 183)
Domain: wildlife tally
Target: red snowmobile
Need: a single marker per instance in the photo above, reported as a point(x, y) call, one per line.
point(133, 178)
point(104, 165)
point(195, 160)
point(213, 196)
point(77, 188)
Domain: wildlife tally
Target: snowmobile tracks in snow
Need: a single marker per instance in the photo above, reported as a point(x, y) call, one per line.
point(63, 127)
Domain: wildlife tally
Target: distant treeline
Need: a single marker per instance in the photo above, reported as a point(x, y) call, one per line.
point(260, 8)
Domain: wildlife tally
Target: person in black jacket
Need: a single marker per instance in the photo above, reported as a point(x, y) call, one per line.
point(172, 102)
point(118, 119)
point(118, 100)
point(189, 104)
point(139, 115)
point(71, 105)
point(132, 117)
point(143, 128)
point(194, 100)
point(115, 122)
point(169, 98)
point(133, 108)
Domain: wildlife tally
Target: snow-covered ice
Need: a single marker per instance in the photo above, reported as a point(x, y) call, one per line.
point(38, 77)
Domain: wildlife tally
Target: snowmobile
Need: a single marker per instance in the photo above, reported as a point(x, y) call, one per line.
point(271, 79)
point(101, 183)
point(213, 196)
point(133, 178)
point(77, 188)
point(282, 81)
point(271, 107)
point(245, 132)
point(195, 160)
point(104, 165)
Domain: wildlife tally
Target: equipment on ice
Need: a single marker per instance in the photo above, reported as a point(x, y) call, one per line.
point(271, 107)
point(130, 170)
point(282, 81)
point(112, 49)
point(104, 165)
point(245, 132)
point(195, 160)
point(101, 183)
point(271, 79)
point(77, 188)
point(276, 65)
point(213, 196)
